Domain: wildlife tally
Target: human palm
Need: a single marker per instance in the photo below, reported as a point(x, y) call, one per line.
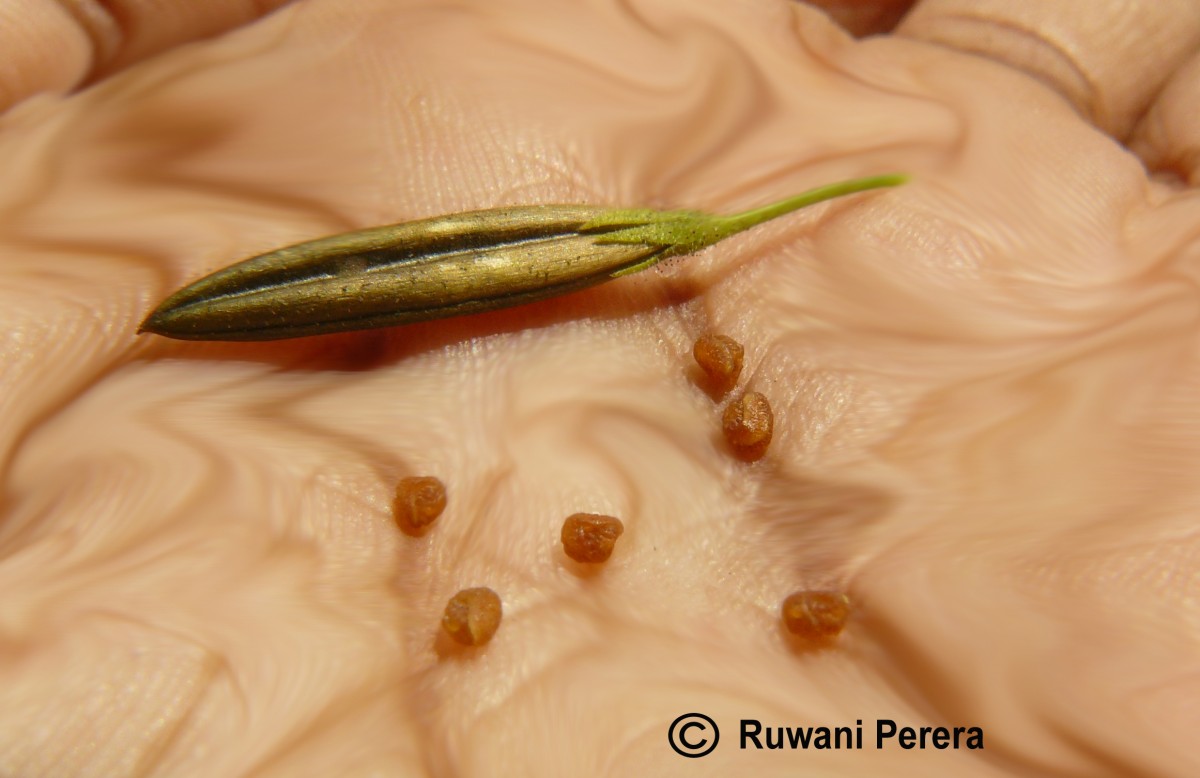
point(984, 385)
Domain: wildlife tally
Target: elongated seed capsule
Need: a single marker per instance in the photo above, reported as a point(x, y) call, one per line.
point(590, 537)
point(816, 616)
point(448, 266)
point(472, 616)
point(419, 501)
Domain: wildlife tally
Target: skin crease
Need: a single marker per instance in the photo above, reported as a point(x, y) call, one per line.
point(985, 386)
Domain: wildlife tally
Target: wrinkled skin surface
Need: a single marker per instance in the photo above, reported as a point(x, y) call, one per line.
point(985, 384)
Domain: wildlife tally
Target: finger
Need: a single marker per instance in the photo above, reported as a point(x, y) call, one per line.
point(57, 45)
point(865, 17)
point(1168, 137)
point(1108, 58)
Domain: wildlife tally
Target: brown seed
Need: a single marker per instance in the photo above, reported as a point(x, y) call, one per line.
point(748, 424)
point(472, 616)
point(816, 616)
point(419, 501)
point(720, 357)
point(589, 537)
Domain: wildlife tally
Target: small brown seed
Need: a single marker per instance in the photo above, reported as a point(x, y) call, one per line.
point(419, 501)
point(748, 424)
point(590, 537)
point(720, 357)
point(816, 616)
point(472, 616)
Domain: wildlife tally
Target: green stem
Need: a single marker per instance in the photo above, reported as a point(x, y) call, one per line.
point(748, 219)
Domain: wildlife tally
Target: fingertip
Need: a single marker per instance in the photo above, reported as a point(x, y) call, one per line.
point(55, 47)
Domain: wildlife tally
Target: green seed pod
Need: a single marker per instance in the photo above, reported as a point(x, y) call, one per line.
point(447, 266)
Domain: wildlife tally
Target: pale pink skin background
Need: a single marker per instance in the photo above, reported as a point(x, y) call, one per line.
point(986, 388)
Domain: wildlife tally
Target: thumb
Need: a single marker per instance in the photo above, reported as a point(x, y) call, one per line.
point(58, 45)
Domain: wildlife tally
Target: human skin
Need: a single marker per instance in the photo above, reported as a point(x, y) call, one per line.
point(985, 385)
